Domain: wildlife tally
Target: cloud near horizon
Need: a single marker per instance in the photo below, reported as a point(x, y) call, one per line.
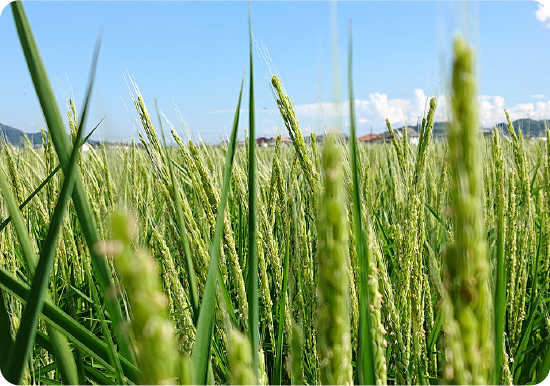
point(543, 12)
point(374, 110)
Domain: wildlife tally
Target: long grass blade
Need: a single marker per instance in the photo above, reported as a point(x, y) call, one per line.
point(365, 365)
point(29, 321)
point(252, 260)
point(76, 333)
point(63, 149)
point(205, 324)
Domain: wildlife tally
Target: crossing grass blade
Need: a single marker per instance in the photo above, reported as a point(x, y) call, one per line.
point(29, 321)
point(78, 335)
point(63, 148)
point(97, 376)
point(205, 324)
point(365, 366)
point(31, 196)
point(45, 182)
point(18, 357)
point(252, 260)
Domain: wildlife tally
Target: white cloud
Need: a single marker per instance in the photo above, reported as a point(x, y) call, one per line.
point(374, 110)
point(538, 96)
point(492, 110)
point(543, 12)
point(3, 4)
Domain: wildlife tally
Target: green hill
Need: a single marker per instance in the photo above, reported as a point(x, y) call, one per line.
point(529, 127)
point(17, 137)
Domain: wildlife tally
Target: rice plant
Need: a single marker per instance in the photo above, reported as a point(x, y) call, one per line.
point(315, 263)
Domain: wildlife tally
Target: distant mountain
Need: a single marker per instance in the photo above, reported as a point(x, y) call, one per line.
point(16, 137)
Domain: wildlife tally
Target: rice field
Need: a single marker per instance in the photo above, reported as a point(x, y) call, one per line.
point(317, 263)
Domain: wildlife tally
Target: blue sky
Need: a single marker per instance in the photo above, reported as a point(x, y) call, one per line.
point(192, 54)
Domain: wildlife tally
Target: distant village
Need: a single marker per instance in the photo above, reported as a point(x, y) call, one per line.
point(370, 139)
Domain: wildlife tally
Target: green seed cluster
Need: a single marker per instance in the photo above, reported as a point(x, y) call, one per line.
point(333, 296)
point(153, 331)
point(467, 261)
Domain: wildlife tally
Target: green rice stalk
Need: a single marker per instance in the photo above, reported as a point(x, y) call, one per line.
point(153, 332)
point(397, 146)
point(14, 177)
point(378, 331)
point(500, 286)
point(431, 357)
point(176, 295)
point(264, 289)
point(239, 355)
point(547, 202)
point(468, 300)
point(228, 237)
point(297, 344)
point(184, 242)
point(293, 127)
point(273, 182)
point(283, 308)
point(526, 238)
point(332, 312)
point(511, 244)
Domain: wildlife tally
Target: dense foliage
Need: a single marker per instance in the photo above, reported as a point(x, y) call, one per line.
point(391, 263)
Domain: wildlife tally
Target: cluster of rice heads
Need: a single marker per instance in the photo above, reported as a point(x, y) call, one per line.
point(385, 264)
